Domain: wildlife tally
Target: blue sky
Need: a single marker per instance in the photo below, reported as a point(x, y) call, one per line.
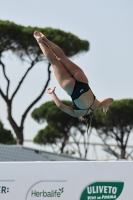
point(107, 25)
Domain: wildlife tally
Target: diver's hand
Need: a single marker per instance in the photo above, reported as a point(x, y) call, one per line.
point(50, 90)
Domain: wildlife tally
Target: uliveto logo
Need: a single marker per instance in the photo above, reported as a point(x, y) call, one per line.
point(102, 190)
point(52, 193)
point(4, 190)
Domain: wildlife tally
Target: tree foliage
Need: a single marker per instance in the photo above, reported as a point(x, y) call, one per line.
point(116, 125)
point(61, 128)
point(19, 40)
point(6, 136)
point(113, 128)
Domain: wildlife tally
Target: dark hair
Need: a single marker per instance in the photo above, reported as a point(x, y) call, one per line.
point(87, 119)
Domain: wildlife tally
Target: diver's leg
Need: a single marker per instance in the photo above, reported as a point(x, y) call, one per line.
point(63, 77)
point(76, 72)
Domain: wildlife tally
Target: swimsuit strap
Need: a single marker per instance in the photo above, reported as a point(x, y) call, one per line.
point(87, 112)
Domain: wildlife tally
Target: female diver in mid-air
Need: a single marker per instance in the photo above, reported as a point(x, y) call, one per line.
point(73, 80)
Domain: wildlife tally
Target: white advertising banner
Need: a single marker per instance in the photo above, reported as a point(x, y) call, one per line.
point(66, 180)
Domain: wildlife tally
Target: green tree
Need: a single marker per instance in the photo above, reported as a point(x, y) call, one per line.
point(116, 126)
point(6, 136)
point(19, 40)
point(61, 129)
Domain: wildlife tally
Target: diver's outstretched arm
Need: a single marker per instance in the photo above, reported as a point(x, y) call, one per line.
point(63, 107)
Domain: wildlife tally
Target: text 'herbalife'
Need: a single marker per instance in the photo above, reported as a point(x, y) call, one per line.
point(102, 190)
point(52, 193)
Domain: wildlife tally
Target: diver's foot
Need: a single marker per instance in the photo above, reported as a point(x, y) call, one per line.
point(39, 36)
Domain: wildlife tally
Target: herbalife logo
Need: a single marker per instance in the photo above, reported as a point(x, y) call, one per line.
point(4, 190)
point(52, 193)
point(102, 190)
point(81, 90)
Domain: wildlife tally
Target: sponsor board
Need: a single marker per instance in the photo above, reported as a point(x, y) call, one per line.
point(66, 180)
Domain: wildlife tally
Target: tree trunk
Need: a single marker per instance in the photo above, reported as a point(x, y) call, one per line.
point(19, 133)
point(123, 152)
point(20, 138)
point(17, 129)
point(64, 143)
